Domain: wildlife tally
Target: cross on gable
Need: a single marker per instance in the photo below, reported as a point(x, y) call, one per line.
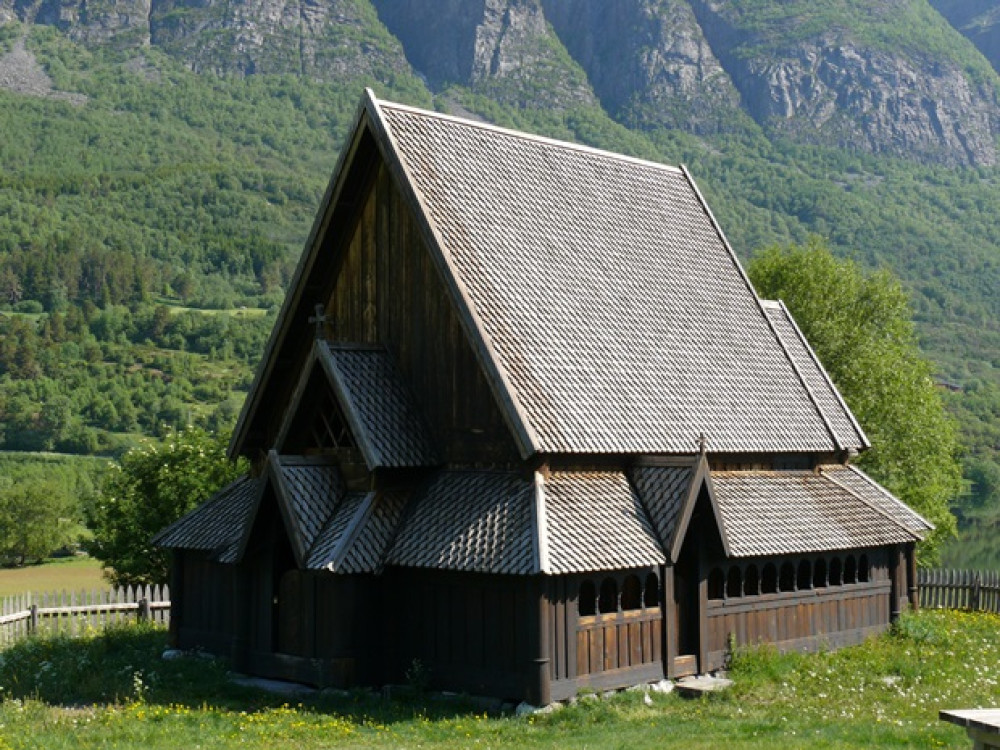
point(320, 319)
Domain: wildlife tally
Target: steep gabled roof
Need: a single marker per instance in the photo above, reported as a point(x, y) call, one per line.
point(606, 308)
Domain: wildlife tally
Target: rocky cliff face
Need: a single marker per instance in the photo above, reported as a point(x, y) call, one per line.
point(834, 87)
point(323, 39)
point(649, 63)
point(704, 66)
point(124, 22)
point(502, 48)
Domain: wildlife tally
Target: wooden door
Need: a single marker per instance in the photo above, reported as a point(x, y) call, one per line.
point(687, 611)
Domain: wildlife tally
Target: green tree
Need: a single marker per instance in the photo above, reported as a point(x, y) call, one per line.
point(860, 327)
point(36, 519)
point(150, 488)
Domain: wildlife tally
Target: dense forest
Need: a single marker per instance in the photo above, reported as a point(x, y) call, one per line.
point(151, 218)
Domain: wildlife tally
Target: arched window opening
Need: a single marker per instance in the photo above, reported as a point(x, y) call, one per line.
point(631, 593)
point(864, 571)
point(819, 574)
point(805, 576)
point(751, 581)
point(850, 570)
point(608, 601)
point(587, 603)
point(786, 581)
point(651, 594)
point(769, 581)
point(716, 583)
point(835, 572)
point(734, 582)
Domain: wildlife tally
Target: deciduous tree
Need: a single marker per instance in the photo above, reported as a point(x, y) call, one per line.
point(861, 329)
point(149, 489)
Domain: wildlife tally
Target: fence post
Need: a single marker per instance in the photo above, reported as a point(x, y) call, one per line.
point(33, 621)
point(143, 610)
point(974, 599)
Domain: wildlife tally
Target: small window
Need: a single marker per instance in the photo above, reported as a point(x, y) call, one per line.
point(587, 603)
point(751, 581)
point(864, 571)
point(716, 584)
point(786, 581)
point(631, 593)
point(734, 582)
point(651, 594)
point(835, 572)
point(819, 574)
point(769, 581)
point(609, 596)
point(850, 570)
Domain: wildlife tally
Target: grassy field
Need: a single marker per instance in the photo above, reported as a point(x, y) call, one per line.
point(113, 691)
point(57, 574)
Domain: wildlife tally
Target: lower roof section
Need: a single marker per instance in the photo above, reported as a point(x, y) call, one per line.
point(507, 522)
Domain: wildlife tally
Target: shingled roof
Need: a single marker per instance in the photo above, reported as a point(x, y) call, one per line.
point(785, 512)
point(217, 524)
point(605, 306)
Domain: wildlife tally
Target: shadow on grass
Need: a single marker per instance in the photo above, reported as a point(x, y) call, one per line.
point(125, 664)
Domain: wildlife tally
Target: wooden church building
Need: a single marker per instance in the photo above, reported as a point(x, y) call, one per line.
point(524, 419)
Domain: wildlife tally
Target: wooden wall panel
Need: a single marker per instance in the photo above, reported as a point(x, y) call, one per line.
point(389, 291)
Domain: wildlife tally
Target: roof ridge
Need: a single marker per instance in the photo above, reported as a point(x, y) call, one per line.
point(860, 499)
point(354, 526)
point(522, 135)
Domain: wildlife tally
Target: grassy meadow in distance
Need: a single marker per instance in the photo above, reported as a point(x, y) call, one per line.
point(57, 574)
point(114, 691)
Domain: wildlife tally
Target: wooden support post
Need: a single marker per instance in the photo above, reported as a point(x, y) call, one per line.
point(176, 591)
point(33, 621)
point(896, 590)
point(911, 566)
point(541, 681)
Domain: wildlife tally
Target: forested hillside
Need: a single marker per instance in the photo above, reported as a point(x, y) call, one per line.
point(161, 161)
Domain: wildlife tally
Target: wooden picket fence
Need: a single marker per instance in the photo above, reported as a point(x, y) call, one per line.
point(973, 590)
point(77, 612)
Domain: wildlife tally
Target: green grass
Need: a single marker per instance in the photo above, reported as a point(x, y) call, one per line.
point(57, 574)
point(113, 690)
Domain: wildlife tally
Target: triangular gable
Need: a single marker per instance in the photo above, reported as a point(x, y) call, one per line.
point(538, 243)
point(369, 398)
point(670, 489)
point(388, 426)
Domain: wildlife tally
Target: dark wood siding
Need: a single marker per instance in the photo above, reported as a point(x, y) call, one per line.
point(806, 618)
point(389, 291)
point(471, 632)
point(604, 650)
point(206, 594)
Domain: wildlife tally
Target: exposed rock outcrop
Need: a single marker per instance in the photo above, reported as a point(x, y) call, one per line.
point(502, 48)
point(831, 88)
point(321, 39)
point(123, 22)
point(649, 63)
